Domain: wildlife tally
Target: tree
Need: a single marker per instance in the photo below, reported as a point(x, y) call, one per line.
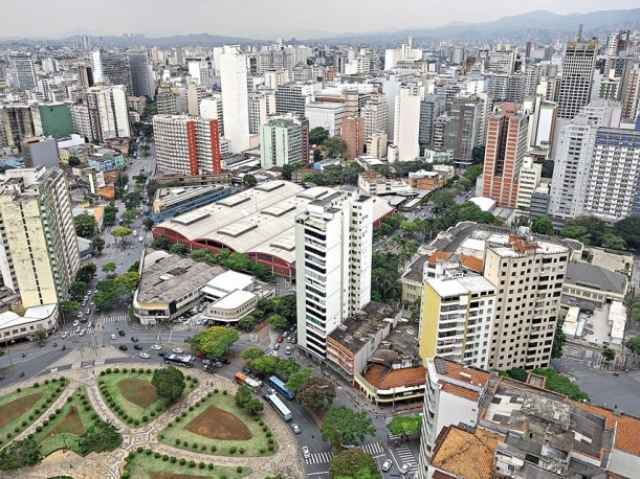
point(101, 436)
point(148, 223)
point(243, 395)
point(105, 299)
point(86, 272)
point(252, 353)
point(162, 242)
point(634, 345)
point(477, 154)
point(518, 374)
point(577, 232)
point(561, 384)
point(344, 426)
point(128, 282)
point(287, 307)
point(317, 156)
point(287, 367)
point(287, 171)
point(214, 341)
point(472, 173)
point(265, 364)
point(247, 323)
point(335, 146)
point(608, 354)
point(78, 288)
point(542, 225)
point(68, 307)
point(134, 267)
point(362, 474)
point(169, 383)
point(73, 161)
point(121, 232)
point(298, 379)
point(249, 180)
point(254, 406)
point(594, 226)
point(39, 335)
point(316, 393)
point(547, 168)
point(632, 303)
point(128, 217)
point(132, 200)
point(20, 454)
point(109, 267)
point(85, 225)
point(559, 340)
point(628, 229)
point(317, 135)
point(405, 425)
point(98, 244)
point(278, 321)
point(351, 462)
point(613, 241)
point(178, 248)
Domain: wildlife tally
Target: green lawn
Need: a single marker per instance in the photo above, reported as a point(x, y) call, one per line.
point(140, 465)
point(177, 435)
point(20, 409)
point(64, 428)
point(146, 407)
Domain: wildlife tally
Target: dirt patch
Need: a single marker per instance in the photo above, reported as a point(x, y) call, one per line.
point(71, 423)
point(215, 423)
point(139, 392)
point(164, 475)
point(17, 408)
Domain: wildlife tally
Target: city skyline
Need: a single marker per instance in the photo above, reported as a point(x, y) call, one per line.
point(232, 18)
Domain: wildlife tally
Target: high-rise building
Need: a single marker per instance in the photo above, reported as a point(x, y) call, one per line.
point(116, 70)
point(528, 181)
point(630, 93)
point(352, 132)
point(141, 74)
point(333, 264)
point(81, 121)
point(85, 75)
point(22, 65)
point(195, 94)
point(430, 108)
point(462, 132)
point(108, 112)
point(293, 97)
point(56, 120)
point(186, 145)
point(86, 45)
point(235, 102)
point(16, 122)
point(573, 155)
point(614, 177)
point(39, 247)
point(199, 71)
point(375, 113)
point(40, 151)
point(504, 151)
point(542, 122)
point(167, 101)
point(528, 275)
point(502, 58)
point(262, 103)
point(211, 109)
point(407, 123)
point(281, 141)
point(578, 66)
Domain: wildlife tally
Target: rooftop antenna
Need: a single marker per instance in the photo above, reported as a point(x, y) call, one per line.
point(580, 32)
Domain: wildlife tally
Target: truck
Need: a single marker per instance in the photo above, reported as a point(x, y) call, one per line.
point(243, 379)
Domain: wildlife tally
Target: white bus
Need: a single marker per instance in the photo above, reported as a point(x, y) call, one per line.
point(279, 406)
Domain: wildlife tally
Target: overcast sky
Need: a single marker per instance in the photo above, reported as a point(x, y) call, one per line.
point(261, 18)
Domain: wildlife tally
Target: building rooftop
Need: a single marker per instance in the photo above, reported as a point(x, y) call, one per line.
point(456, 286)
point(171, 277)
point(356, 332)
point(415, 270)
point(595, 277)
point(382, 377)
point(178, 194)
point(466, 454)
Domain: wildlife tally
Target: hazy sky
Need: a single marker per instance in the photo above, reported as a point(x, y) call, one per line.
point(261, 18)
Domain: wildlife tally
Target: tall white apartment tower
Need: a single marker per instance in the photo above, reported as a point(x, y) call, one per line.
point(578, 66)
point(407, 123)
point(108, 112)
point(235, 98)
point(333, 264)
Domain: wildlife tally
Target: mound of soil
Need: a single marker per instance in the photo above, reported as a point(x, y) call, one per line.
point(14, 409)
point(215, 423)
point(71, 423)
point(139, 392)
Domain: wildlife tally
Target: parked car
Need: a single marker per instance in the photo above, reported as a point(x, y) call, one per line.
point(288, 351)
point(134, 339)
point(144, 355)
point(122, 347)
point(247, 370)
point(280, 339)
point(122, 333)
point(156, 347)
point(210, 368)
point(276, 346)
point(225, 361)
point(386, 465)
point(79, 314)
point(285, 334)
point(178, 350)
point(113, 337)
point(139, 347)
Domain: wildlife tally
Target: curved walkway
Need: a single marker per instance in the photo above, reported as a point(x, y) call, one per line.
point(108, 465)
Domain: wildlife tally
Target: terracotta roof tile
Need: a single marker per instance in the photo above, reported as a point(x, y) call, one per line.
point(627, 427)
point(382, 377)
point(471, 262)
point(478, 376)
point(438, 255)
point(460, 391)
point(468, 455)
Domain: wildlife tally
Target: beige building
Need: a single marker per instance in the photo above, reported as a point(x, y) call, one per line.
point(39, 254)
point(528, 181)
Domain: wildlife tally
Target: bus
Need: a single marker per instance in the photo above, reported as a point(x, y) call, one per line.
point(279, 407)
point(185, 361)
point(279, 386)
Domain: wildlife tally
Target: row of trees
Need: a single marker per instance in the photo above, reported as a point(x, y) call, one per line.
point(214, 341)
point(332, 175)
point(288, 369)
point(246, 400)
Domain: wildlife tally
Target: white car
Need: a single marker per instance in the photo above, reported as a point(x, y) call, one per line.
point(144, 355)
point(386, 465)
point(75, 323)
point(113, 336)
point(295, 428)
point(156, 347)
point(404, 469)
point(178, 350)
point(306, 452)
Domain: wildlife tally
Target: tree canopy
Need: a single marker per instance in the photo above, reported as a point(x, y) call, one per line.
point(542, 225)
point(98, 243)
point(561, 384)
point(85, 225)
point(335, 146)
point(629, 230)
point(298, 379)
point(20, 454)
point(405, 425)
point(316, 393)
point(169, 383)
point(246, 400)
point(249, 180)
point(278, 321)
point(344, 426)
point(86, 272)
point(317, 135)
point(352, 463)
point(215, 341)
point(634, 344)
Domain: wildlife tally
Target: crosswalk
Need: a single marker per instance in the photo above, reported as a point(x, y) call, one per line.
point(407, 457)
point(374, 449)
point(114, 319)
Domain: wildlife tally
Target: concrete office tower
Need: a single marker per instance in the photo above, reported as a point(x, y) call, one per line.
point(86, 45)
point(375, 113)
point(56, 120)
point(211, 109)
point(502, 58)
point(141, 74)
point(167, 101)
point(82, 121)
point(630, 94)
point(85, 76)
point(457, 317)
point(377, 145)
point(333, 264)
point(96, 66)
point(352, 133)
point(186, 145)
point(275, 78)
point(281, 142)
point(430, 109)
point(235, 102)
point(614, 178)
point(578, 66)
point(462, 132)
point(22, 65)
point(524, 323)
point(528, 181)
point(504, 151)
point(407, 123)
point(262, 103)
point(199, 71)
point(293, 97)
point(39, 248)
point(108, 112)
point(16, 122)
point(195, 94)
point(542, 122)
point(40, 151)
point(112, 69)
point(573, 154)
